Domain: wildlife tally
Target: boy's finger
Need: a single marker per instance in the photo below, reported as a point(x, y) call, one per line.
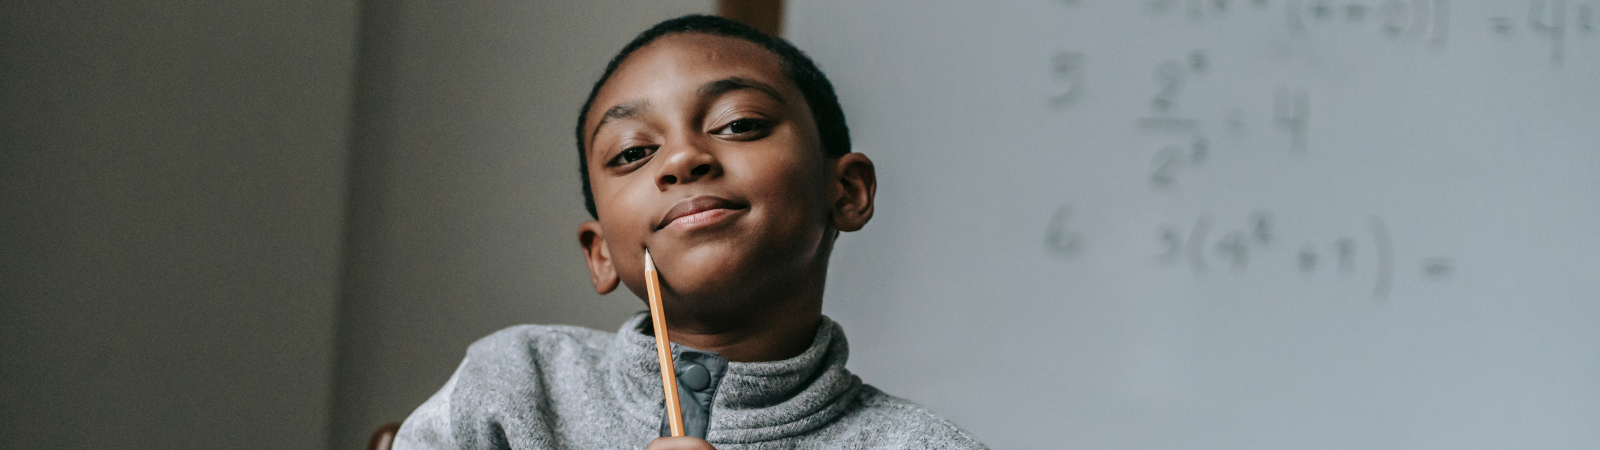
point(679, 443)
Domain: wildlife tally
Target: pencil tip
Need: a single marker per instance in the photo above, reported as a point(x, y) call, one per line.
point(649, 264)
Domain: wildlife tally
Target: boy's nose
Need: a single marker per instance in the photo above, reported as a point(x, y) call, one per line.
point(687, 166)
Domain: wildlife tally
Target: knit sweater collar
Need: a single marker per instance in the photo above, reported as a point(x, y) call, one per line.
point(755, 401)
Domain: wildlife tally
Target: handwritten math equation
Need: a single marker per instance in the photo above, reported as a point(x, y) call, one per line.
point(1208, 245)
point(1553, 20)
point(1189, 143)
point(1557, 21)
point(1425, 19)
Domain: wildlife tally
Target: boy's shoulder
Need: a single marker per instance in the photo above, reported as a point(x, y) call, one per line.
point(544, 335)
point(906, 424)
point(528, 342)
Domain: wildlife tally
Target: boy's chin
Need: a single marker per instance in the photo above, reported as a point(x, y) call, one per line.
point(712, 277)
point(698, 259)
point(707, 278)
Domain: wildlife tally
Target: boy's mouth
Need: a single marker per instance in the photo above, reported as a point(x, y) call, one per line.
point(698, 210)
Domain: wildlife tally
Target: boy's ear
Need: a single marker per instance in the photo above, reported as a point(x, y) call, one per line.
point(595, 253)
point(857, 185)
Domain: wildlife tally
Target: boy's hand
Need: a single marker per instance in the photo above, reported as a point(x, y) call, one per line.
point(679, 443)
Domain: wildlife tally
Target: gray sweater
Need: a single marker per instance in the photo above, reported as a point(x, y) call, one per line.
point(549, 387)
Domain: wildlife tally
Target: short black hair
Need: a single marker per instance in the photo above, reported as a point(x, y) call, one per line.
point(832, 131)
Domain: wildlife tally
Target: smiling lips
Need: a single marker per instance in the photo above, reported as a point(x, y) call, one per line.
point(697, 210)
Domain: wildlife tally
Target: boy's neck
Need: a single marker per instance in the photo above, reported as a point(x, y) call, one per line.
point(771, 324)
point(771, 336)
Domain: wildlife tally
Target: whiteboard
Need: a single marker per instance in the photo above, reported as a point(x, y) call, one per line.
point(1226, 224)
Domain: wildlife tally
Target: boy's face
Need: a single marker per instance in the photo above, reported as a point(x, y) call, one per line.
point(701, 149)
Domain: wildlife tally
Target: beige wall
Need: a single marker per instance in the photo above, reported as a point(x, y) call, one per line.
point(466, 195)
point(171, 195)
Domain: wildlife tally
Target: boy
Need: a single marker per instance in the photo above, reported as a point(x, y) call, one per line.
point(725, 153)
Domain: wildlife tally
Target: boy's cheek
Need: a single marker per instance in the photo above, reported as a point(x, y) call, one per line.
point(635, 285)
point(624, 246)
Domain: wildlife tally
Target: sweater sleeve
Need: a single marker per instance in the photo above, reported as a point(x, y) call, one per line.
point(429, 426)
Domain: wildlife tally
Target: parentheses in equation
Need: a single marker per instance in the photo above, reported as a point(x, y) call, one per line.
point(1197, 243)
point(1384, 250)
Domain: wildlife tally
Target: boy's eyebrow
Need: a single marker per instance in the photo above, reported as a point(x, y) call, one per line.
point(627, 110)
point(623, 110)
point(731, 84)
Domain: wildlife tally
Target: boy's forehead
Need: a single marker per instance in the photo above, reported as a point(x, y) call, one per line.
point(680, 64)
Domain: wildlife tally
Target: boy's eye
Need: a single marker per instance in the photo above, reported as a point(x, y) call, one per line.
point(632, 154)
point(742, 126)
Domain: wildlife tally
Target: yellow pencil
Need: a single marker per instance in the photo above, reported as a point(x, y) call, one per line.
point(658, 318)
